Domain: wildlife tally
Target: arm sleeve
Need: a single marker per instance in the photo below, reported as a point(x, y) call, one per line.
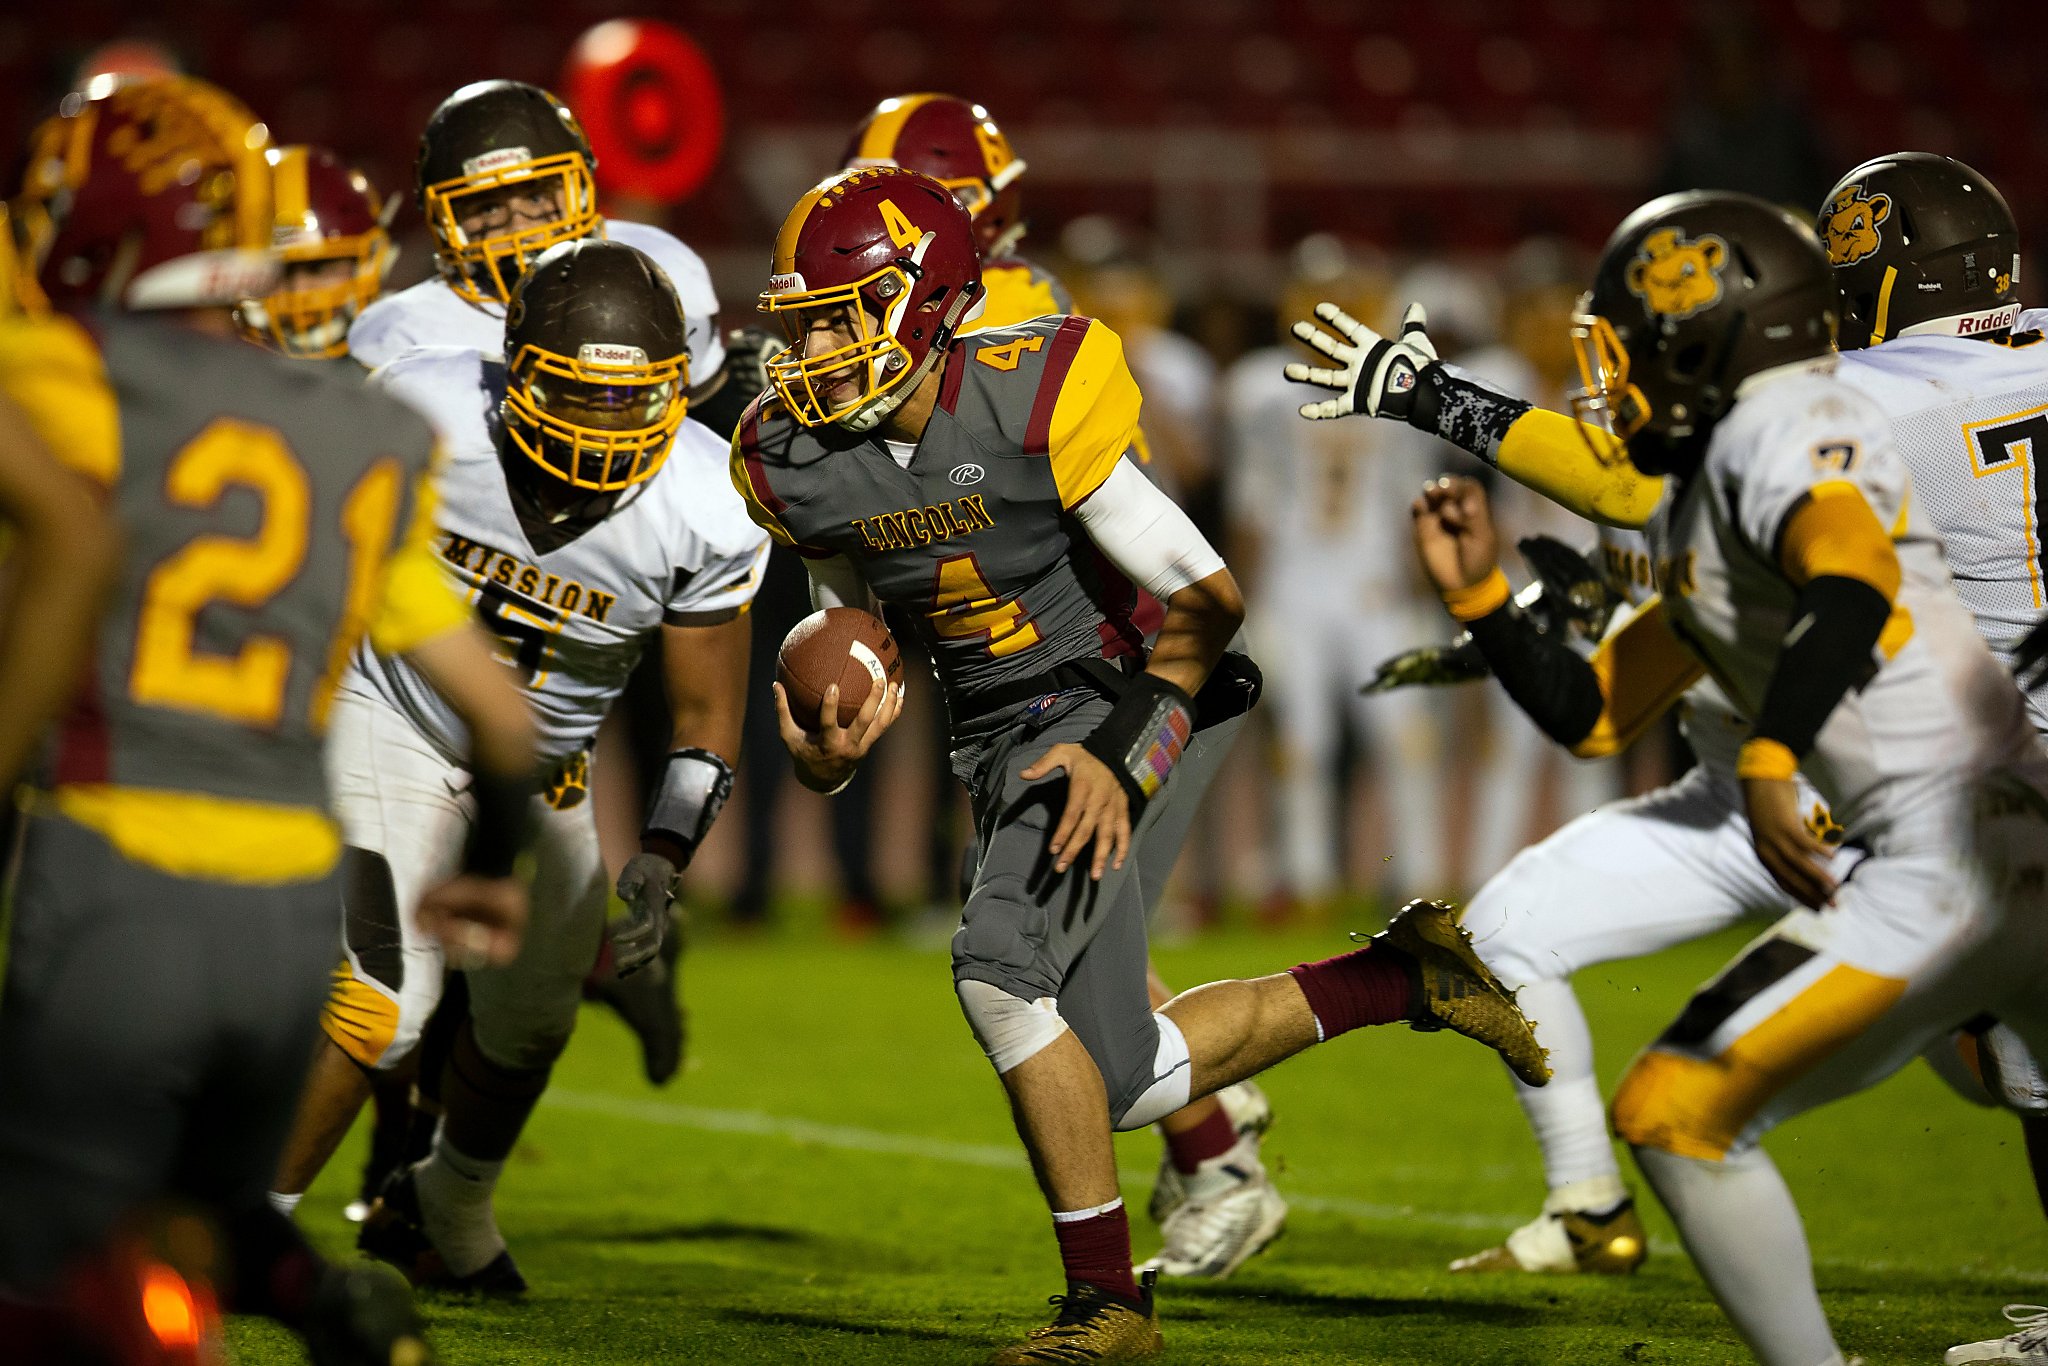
point(1593, 707)
point(52, 370)
point(1578, 467)
point(416, 603)
point(1094, 415)
point(1145, 534)
point(719, 591)
point(835, 582)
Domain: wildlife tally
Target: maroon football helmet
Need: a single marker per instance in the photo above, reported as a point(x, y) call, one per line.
point(958, 144)
point(887, 255)
point(330, 232)
point(151, 194)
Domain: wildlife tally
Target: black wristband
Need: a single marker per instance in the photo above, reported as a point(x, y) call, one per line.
point(689, 793)
point(504, 812)
point(1142, 737)
point(1557, 688)
point(1830, 649)
point(1462, 411)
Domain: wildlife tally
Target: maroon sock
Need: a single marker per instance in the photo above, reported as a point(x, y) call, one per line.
point(1369, 986)
point(1096, 1248)
point(1213, 1137)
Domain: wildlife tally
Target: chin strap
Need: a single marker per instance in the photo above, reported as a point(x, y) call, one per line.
point(867, 418)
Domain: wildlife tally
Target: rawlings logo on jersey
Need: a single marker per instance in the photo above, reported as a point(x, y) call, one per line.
point(921, 526)
point(1674, 277)
point(1848, 226)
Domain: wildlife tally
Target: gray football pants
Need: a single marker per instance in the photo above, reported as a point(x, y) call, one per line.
point(1034, 932)
point(154, 1034)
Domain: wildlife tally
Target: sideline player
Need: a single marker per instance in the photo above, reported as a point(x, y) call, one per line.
point(1213, 1200)
point(980, 484)
point(587, 521)
point(1796, 569)
point(179, 860)
point(1643, 875)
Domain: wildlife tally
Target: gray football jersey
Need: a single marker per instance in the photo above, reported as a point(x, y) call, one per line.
point(260, 498)
point(976, 539)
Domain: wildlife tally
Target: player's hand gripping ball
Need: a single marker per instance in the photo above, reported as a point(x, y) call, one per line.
point(842, 645)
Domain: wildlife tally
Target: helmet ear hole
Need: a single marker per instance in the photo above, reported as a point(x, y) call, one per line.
point(1689, 361)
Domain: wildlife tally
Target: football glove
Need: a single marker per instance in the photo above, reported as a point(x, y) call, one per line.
point(1429, 666)
point(647, 886)
point(747, 353)
point(1575, 597)
point(1374, 375)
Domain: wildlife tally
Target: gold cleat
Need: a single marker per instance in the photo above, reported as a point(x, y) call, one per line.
point(1569, 1242)
point(1092, 1325)
point(1458, 991)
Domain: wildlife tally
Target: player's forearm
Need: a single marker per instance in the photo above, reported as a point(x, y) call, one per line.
point(1200, 621)
point(1558, 689)
point(66, 551)
point(1576, 466)
point(704, 670)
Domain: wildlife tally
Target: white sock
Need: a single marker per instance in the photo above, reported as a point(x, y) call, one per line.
point(1740, 1225)
point(1568, 1116)
point(455, 1206)
point(284, 1204)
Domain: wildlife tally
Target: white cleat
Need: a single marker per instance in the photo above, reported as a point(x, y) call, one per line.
point(1249, 1112)
point(2026, 1347)
point(1230, 1214)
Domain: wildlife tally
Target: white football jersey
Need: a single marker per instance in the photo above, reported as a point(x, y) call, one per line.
point(678, 549)
point(1711, 725)
point(431, 314)
point(1327, 499)
point(1971, 421)
point(1939, 708)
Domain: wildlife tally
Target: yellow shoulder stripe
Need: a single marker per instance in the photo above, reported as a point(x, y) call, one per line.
point(1643, 668)
point(1095, 418)
point(418, 604)
point(1578, 467)
point(1834, 531)
point(50, 365)
point(743, 481)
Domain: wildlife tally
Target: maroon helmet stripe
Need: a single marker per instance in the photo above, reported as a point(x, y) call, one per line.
point(1058, 358)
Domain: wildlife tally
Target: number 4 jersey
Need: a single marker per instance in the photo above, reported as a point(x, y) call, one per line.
point(974, 538)
point(677, 549)
point(1971, 419)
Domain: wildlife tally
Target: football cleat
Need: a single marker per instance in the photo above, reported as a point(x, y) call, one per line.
point(1459, 993)
point(647, 1001)
point(2026, 1347)
point(395, 1233)
point(1567, 1242)
point(1212, 1236)
point(364, 1316)
point(1249, 1112)
point(1092, 1325)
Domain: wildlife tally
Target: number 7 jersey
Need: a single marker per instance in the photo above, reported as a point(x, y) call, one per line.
point(676, 549)
point(1971, 419)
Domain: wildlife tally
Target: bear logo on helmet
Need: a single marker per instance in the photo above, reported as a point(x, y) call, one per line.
point(1849, 225)
point(1676, 278)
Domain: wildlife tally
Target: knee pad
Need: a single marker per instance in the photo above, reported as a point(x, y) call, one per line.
point(1681, 1105)
point(1172, 1080)
point(373, 1025)
point(1010, 1030)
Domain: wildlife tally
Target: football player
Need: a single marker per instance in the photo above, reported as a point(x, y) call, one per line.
point(179, 859)
point(586, 520)
point(1796, 570)
point(1213, 1200)
point(332, 233)
point(1638, 876)
point(980, 484)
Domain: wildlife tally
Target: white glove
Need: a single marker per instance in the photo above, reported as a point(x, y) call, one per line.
point(1376, 376)
point(647, 886)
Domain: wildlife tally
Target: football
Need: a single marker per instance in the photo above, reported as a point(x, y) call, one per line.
point(842, 645)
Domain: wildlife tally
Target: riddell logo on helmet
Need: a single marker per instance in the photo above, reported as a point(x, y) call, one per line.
point(607, 354)
point(496, 161)
point(1998, 320)
point(788, 283)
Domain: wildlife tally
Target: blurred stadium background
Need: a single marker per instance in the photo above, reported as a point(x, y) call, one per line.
point(1191, 166)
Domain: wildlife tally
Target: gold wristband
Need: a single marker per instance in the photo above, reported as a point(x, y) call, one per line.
point(1480, 599)
point(1766, 759)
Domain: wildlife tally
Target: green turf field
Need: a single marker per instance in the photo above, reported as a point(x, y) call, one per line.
point(833, 1179)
